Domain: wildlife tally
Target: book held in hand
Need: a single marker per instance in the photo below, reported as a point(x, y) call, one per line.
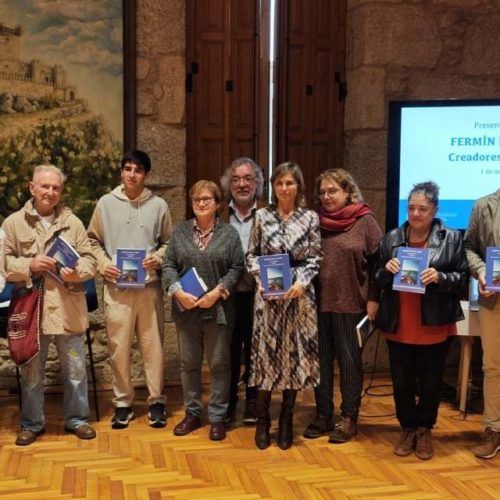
point(129, 262)
point(193, 283)
point(275, 274)
point(65, 256)
point(412, 261)
point(364, 330)
point(492, 269)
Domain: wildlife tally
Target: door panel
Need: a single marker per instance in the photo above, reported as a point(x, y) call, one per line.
point(312, 62)
point(222, 65)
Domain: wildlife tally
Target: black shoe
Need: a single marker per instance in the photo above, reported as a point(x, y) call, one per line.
point(123, 415)
point(157, 416)
point(285, 432)
point(319, 426)
point(250, 415)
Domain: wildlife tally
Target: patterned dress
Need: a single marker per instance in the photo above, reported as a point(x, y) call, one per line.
point(285, 332)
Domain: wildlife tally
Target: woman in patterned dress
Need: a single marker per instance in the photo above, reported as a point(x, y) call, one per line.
point(285, 337)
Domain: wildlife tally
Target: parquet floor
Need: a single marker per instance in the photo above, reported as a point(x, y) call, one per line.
point(145, 463)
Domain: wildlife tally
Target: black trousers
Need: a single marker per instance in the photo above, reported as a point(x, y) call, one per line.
point(241, 340)
point(417, 375)
point(338, 340)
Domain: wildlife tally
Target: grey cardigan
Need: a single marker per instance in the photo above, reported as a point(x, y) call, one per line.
point(221, 261)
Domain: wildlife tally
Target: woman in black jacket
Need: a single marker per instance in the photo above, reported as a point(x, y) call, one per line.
point(417, 326)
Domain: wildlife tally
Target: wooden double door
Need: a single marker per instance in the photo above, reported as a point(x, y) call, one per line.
point(227, 83)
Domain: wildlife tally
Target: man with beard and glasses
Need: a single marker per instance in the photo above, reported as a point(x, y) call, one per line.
point(243, 185)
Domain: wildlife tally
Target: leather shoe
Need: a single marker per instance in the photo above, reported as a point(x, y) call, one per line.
point(85, 431)
point(188, 424)
point(27, 436)
point(217, 431)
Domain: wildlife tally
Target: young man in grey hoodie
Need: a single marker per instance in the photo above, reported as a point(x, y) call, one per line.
point(132, 217)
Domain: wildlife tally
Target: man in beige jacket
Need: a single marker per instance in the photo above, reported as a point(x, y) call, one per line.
point(483, 232)
point(29, 234)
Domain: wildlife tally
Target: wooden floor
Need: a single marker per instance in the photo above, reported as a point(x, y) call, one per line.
point(145, 463)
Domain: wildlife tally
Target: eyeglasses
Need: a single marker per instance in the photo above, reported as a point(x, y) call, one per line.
point(328, 193)
point(247, 179)
point(203, 200)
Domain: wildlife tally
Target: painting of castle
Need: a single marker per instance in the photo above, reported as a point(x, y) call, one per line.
point(31, 80)
point(61, 97)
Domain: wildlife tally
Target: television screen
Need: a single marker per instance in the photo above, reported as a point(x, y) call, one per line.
point(455, 143)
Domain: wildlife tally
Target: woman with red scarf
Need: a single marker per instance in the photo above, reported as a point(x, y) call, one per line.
point(349, 238)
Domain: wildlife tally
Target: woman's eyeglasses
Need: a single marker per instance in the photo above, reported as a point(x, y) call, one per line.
point(204, 200)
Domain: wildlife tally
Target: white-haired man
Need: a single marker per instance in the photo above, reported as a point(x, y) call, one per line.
point(29, 233)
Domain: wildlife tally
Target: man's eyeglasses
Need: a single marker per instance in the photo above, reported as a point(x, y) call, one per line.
point(203, 200)
point(247, 179)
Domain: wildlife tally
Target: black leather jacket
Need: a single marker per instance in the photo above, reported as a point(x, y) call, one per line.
point(441, 301)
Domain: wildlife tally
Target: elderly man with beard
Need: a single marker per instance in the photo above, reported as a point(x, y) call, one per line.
point(243, 184)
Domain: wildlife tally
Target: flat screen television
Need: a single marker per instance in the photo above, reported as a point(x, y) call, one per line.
point(455, 143)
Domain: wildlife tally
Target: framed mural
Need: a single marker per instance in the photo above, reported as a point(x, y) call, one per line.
point(67, 95)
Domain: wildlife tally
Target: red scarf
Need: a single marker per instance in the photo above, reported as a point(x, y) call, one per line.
point(343, 219)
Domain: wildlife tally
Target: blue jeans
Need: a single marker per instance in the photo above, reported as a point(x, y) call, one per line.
point(70, 349)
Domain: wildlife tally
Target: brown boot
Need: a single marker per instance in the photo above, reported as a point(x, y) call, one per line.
point(344, 430)
point(406, 444)
point(423, 447)
point(490, 444)
point(263, 426)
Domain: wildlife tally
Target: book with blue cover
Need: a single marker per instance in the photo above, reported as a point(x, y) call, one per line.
point(129, 262)
point(275, 274)
point(492, 269)
point(193, 283)
point(412, 261)
point(65, 256)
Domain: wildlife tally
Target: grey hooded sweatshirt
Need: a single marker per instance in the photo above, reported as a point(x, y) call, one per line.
point(118, 222)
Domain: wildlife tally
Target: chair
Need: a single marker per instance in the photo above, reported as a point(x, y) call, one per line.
point(92, 304)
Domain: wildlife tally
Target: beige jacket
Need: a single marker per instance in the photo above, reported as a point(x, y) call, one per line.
point(483, 231)
point(64, 306)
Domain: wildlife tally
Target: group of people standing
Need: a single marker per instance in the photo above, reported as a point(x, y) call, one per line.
point(342, 269)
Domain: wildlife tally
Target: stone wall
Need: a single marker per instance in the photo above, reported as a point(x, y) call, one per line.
point(411, 49)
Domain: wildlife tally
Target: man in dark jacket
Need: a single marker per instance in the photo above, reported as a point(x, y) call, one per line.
point(243, 184)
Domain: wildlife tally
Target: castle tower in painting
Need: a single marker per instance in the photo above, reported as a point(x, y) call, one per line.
point(10, 42)
point(32, 78)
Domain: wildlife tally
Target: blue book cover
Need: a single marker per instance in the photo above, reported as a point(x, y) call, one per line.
point(412, 261)
point(493, 269)
point(193, 283)
point(275, 274)
point(65, 255)
point(129, 261)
